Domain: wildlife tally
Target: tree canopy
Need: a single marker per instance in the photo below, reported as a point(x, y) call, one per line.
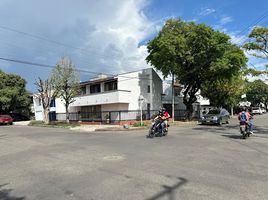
point(258, 47)
point(197, 55)
point(257, 92)
point(259, 42)
point(224, 93)
point(13, 94)
point(65, 82)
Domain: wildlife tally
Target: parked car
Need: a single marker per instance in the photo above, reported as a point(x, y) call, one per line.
point(19, 117)
point(6, 119)
point(256, 110)
point(216, 116)
point(263, 110)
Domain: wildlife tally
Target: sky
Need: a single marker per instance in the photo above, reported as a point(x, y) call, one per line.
point(108, 36)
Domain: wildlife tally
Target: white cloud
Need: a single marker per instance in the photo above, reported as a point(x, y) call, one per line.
point(206, 11)
point(108, 32)
point(225, 20)
point(237, 39)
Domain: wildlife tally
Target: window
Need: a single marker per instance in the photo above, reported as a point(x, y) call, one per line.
point(83, 90)
point(148, 107)
point(52, 103)
point(148, 89)
point(110, 86)
point(95, 88)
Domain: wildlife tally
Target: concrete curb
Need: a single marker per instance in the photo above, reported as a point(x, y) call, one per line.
point(91, 128)
point(22, 123)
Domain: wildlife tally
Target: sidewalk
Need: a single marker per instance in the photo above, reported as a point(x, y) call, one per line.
point(105, 127)
point(91, 128)
point(22, 123)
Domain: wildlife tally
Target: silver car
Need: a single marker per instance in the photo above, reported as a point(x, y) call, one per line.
point(216, 116)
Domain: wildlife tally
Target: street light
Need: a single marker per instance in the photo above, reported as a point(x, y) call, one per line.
point(140, 99)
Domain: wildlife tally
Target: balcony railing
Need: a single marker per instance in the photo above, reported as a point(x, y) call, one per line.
point(115, 96)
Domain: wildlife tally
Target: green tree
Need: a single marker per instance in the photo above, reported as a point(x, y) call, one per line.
point(13, 95)
point(196, 54)
point(258, 47)
point(259, 42)
point(65, 82)
point(257, 92)
point(224, 93)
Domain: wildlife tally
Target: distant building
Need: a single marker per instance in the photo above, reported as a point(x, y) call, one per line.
point(179, 107)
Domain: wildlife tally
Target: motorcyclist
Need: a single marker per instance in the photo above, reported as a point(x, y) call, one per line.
point(244, 117)
point(165, 116)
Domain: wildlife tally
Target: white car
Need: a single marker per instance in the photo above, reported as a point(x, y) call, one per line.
point(263, 110)
point(256, 110)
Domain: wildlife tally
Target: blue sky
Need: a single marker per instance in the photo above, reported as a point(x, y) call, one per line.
point(107, 36)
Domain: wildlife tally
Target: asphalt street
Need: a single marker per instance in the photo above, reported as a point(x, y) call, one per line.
point(193, 162)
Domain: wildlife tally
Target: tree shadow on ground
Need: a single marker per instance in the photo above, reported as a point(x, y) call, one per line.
point(5, 194)
point(169, 191)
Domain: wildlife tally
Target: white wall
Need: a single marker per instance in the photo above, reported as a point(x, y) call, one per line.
point(138, 82)
point(156, 91)
point(112, 107)
point(130, 87)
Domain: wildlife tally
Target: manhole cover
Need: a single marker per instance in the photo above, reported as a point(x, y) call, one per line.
point(113, 157)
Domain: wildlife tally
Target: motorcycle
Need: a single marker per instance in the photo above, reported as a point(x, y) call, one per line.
point(156, 130)
point(244, 130)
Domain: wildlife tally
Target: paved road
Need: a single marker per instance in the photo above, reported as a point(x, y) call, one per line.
point(194, 162)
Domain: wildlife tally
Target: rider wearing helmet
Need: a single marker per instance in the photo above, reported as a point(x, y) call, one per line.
point(165, 116)
point(244, 118)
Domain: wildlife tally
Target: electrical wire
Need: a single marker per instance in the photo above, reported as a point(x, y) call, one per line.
point(77, 69)
point(255, 22)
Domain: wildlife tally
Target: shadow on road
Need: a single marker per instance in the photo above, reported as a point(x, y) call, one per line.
point(5, 194)
point(169, 191)
point(233, 136)
point(216, 129)
point(261, 130)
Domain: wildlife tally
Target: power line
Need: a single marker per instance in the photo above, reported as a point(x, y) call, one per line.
point(79, 70)
point(255, 22)
point(42, 38)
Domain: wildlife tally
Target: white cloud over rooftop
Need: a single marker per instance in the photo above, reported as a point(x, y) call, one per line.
point(108, 32)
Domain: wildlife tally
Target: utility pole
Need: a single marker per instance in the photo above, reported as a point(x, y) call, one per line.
point(173, 98)
point(140, 99)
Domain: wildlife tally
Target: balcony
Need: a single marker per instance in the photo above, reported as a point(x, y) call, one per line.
point(109, 97)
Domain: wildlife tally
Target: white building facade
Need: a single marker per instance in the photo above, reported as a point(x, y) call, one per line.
point(133, 91)
point(121, 92)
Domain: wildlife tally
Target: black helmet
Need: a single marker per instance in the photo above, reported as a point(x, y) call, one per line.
point(163, 109)
point(243, 109)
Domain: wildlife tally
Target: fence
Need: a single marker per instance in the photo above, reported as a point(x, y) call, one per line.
point(110, 117)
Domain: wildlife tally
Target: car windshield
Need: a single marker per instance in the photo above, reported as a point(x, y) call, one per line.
point(214, 112)
point(256, 108)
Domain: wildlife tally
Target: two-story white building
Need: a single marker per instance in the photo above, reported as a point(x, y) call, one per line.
point(132, 91)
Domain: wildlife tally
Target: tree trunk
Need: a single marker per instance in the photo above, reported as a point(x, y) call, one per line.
point(232, 111)
point(46, 117)
point(188, 99)
point(67, 114)
point(173, 99)
point(189, 111)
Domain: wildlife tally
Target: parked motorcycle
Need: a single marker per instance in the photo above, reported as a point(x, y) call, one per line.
point(156, 130)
